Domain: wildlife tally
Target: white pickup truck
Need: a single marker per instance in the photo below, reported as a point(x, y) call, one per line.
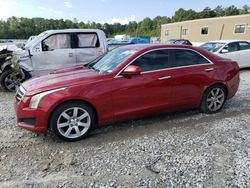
point(50, 51)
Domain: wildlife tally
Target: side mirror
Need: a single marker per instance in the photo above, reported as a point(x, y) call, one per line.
point(131, 71)
point(224, 51)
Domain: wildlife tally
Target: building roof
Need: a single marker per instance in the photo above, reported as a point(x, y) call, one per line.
point(210, 19)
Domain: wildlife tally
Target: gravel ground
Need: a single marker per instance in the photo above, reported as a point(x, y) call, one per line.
point(185, 149)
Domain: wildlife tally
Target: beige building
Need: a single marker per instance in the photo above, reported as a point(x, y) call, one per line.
point(203, 30)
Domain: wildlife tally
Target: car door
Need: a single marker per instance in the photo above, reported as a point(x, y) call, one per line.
point(88, 47)
point(244, 55)
point(231, 51)
point(190, 73)
point(56, 53)
point(147, 93)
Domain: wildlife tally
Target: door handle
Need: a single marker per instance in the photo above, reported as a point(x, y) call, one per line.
point(209, 69)
point(164, 78)
point(71, 55)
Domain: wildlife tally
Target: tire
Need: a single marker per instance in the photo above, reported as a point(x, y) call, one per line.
point(72, 121)
point(10, 80)
point(213, 99)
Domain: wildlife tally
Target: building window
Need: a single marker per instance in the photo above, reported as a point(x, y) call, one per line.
point(166, 32)
point(204, 31)
point(239, 28)
point(184, 32)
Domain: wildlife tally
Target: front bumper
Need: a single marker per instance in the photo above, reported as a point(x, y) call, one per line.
point(34, 120)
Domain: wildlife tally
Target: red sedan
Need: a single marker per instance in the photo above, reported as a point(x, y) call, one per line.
point(127, 83)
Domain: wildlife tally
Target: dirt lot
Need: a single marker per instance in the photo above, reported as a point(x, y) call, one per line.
point(186, 149)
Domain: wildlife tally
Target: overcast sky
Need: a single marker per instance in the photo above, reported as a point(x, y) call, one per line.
point(109, 11)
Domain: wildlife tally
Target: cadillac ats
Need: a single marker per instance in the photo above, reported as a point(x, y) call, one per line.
point(129, 82)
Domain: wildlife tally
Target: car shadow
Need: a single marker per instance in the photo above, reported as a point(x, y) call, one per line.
point(245, 69)
point(134, 129)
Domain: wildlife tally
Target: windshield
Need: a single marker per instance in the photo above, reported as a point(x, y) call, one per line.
point(212, 46)
point(112, 60)
point(29, 44)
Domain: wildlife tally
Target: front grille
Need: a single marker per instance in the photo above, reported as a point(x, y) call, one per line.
point(20, 93)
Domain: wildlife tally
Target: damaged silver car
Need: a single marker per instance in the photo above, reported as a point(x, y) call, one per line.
point(50, 51)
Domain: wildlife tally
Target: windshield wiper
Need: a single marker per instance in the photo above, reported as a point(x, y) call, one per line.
point(95, 69)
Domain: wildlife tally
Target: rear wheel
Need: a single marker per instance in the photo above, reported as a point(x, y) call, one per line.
point(72, 121)
point(213, 99)
point(11, 79)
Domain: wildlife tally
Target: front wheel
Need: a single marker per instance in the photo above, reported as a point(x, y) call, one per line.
point(11, 79)
point(213, 99)
point(72, 121)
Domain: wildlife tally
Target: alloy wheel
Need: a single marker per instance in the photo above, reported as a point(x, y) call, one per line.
point(12, 81)
point(215, 99)
point(73, 122)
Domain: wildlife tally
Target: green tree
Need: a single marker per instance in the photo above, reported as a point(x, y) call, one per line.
point(232, 10)
point(219, 11)
point(21, 28)
point(182, 15)
point(207, 13)
point(245, 10)
point(145, 27)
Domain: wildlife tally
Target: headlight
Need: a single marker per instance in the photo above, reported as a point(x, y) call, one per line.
point(34, 102)
point(14, 62)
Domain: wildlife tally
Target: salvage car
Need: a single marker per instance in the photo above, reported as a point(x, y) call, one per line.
point(4, 53)
point(179, 41)
point(237, 50)
point(52, 50)
point(129, 82)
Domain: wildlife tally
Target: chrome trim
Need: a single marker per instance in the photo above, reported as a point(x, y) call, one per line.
point(172, 48)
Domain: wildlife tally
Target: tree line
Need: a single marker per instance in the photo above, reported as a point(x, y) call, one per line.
point(22, 28)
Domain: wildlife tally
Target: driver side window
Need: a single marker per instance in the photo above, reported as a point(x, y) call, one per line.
point(57, 41)
point(155, 60)
point(232, 47)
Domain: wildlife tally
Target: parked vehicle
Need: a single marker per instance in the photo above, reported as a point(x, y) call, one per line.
point(183, 41)
point(6, 41)
point(135, 40)
point(179, 41)
point(6, 55)
point(237, 50)
point(128, 82)
point(52, 50)
point(170, 41)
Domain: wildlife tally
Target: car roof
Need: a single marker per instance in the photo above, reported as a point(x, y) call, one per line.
point(227, 41)
point(141, 48)
point(157, 46)
point(73, 30)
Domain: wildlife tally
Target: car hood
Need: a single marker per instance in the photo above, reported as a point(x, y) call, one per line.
point(59, 79)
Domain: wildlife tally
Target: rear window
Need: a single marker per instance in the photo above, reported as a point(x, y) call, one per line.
point(244, 45)
point(183, 57)
point(86, 40)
